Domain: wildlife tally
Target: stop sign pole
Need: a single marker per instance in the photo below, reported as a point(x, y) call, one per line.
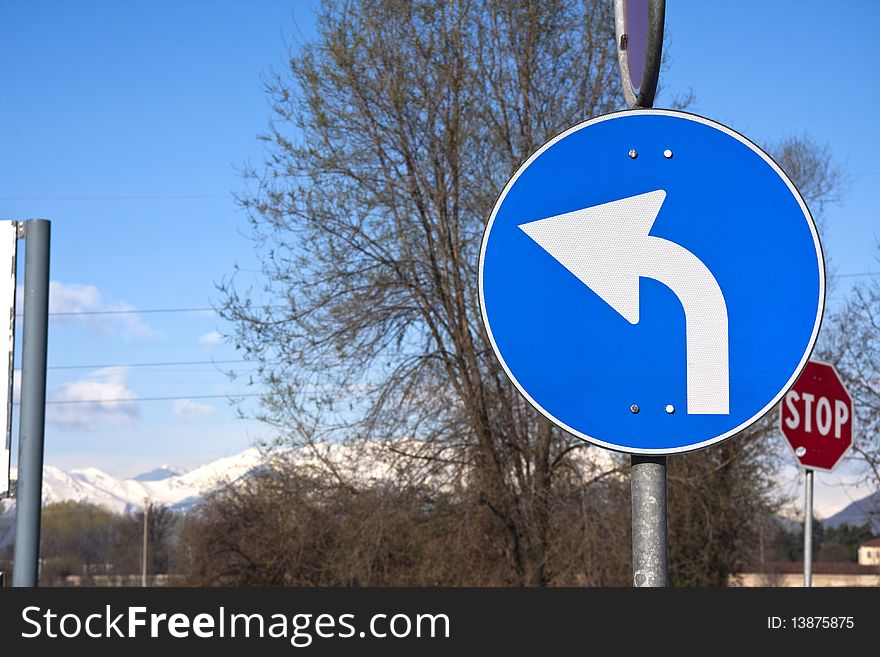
point(816, 419)
point(808, 528)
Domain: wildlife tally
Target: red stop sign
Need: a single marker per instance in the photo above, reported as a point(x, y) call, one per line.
point(816, 417)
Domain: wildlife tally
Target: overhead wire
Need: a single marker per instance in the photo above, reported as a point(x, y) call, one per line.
point(122, 400)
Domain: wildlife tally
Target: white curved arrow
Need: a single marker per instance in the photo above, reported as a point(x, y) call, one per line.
point(608, 248)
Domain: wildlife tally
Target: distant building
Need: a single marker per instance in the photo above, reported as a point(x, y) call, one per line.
point(784, 573)
point(869, 553)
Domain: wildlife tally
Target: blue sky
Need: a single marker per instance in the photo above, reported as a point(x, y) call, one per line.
point(126, 124)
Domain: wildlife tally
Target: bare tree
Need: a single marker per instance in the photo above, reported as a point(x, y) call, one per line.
point(162, 526)
point(283, 527)
point(392, 136)
point(814, 170)
point(853, 345)
point(820, 179)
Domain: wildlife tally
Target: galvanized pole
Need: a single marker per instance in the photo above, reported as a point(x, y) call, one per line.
point(808, 528)
point(146, 534)
point(35, 327)
point(647, 473)
point(648, 483)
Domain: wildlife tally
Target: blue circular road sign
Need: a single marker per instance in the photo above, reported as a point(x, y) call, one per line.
point(651, 281)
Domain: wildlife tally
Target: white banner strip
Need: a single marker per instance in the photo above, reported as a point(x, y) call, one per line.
point(8, 249)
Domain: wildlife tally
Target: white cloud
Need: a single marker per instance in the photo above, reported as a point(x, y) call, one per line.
point(212, 339)
point(73, 298)
point(93, 401)
point(77, 298)
point(187, 409)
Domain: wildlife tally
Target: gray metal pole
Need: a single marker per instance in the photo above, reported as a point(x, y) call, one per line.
point(648, 473)
point(146, 539)
point(31, 427)
point(808, 529)
point(648, 481)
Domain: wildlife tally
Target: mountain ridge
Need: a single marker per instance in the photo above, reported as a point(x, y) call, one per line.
point(178, 492)
point(859, 512)
point(182, 490)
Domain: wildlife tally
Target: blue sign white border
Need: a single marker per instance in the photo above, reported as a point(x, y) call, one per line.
point(816, 242)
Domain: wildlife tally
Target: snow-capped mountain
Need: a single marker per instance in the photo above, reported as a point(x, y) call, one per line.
point(165, 485)
point(180, 491)
point(162, 472)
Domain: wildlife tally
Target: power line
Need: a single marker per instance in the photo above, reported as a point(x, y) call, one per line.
point(134, 311)
point(159, 364)
point(148, 399)
point(197, 309)
point(861, 273)
point(145, 197)
point(131, 312)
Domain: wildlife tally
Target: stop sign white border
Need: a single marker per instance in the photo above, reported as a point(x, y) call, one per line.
point(852, 421)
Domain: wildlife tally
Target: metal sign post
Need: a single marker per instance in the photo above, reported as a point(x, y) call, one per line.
point(649, 535)
point(146, 541)
point(35, 327)
point(817, 422)
point(639, 27)
point(808, 528)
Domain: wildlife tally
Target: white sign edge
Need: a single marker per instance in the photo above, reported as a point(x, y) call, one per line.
point(8, 253)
